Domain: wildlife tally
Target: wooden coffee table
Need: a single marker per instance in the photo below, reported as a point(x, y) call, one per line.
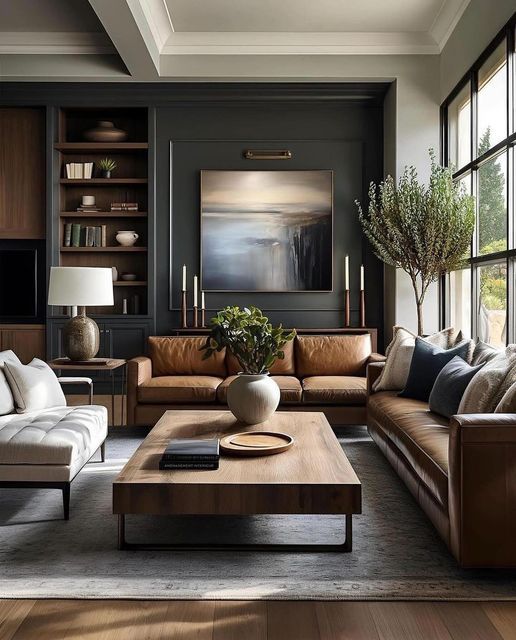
point(312, 477)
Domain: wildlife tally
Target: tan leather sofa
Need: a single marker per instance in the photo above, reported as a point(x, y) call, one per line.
point(319, 373)
point(462, 472)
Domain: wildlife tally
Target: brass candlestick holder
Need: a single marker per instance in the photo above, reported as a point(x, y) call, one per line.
point(184, 311)
point(196, 317)
point(346, 309)
point(362, 308)
point(203, 318)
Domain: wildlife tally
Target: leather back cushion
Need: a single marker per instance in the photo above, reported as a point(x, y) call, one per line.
point(332, 355)
point(283, 367)
point(175, 356)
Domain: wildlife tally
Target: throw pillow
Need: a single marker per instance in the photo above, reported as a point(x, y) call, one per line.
point(34, 386)
point(399, 355)
point(450, 385)
point(6, 396)
point(508, 402)
point(489, 385)
point(459, 339)
point(483, 353)
point(426, 364)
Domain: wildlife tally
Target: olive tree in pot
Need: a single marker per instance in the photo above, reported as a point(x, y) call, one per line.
point(425, 230)
point(249, 336)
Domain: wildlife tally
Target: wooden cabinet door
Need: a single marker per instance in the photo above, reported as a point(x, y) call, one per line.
point(27, 342)
point(22, 174)
point(126, 339)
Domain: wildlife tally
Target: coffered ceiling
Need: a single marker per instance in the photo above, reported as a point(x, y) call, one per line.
point(154, 37)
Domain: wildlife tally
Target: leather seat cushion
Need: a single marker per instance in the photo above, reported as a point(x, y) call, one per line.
point(422, 437)
point(290, 389)
point(177, 356)
point(170, 389)
point(335, 390)
point(283, 367)
point(57, 436)
point(332, 355)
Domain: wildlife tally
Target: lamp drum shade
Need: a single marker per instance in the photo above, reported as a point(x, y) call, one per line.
point(80, 286)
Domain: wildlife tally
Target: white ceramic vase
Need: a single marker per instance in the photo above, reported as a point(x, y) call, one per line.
point(253, 398)
point(126, 238)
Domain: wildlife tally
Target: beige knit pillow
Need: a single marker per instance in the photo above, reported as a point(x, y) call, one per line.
point(399, 356)
point(488, 387)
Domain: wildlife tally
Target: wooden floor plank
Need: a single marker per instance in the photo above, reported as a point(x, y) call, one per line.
point(345, 621)
point(239, 620)
point(466, 621)
point(292, 621)
point(408, 621)
point(12, 614)
point(503, 616)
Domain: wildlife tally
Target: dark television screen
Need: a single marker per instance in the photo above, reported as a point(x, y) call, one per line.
point(18, 283)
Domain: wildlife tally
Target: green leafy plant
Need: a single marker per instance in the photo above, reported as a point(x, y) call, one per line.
point(107, 164)
point(425, 230)
point(249, 336)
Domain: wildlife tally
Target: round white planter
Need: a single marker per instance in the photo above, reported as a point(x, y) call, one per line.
point(253, 398)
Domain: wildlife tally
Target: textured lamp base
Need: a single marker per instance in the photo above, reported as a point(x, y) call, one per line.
point(81, 338)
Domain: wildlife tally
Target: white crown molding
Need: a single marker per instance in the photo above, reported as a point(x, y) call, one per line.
point(337, 43)
point(446, 20)
point(158, 19)
point(58, 42)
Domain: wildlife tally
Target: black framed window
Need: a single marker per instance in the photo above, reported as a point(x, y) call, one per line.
point(478, 141)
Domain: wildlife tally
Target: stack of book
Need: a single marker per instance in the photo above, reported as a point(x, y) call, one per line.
point(79, 170)
point(75, 235)
point(191, 454)
point(124, 206)
point(88, 208)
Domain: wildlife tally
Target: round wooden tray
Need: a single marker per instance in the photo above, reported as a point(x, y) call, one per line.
point(256, 443)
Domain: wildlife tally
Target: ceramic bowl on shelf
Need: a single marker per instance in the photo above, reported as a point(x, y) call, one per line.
point(105, 131)
point(128, 277)
point(126, 238)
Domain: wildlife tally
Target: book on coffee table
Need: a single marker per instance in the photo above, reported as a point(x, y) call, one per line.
point(191, 454)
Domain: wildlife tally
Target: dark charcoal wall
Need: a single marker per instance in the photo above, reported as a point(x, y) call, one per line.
point(346, 138)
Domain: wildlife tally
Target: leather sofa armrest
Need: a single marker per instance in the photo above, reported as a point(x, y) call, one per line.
point(139, 370)
point(374, 369)
point(376, 357)
point(482, 490)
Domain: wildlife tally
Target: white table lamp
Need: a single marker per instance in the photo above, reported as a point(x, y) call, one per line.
point(80, 287)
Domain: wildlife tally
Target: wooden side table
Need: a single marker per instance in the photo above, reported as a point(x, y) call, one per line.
point(109, 365)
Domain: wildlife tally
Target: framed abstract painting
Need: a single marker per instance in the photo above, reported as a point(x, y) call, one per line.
point(266, 230)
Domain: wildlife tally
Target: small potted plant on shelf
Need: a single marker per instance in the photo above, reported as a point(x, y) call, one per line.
point(106, 166)
point(249, 336)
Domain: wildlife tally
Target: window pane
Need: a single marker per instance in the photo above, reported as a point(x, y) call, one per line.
point(492, 205)
point(459, 129)
point(492, 100)
point(459, 301)
point(465, 183)
point(491, 318)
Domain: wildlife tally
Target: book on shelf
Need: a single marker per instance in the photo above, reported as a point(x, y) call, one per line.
point(79, 170)
point(67, 240)
point(124, 206)
point(84, 208)
point(76, 235)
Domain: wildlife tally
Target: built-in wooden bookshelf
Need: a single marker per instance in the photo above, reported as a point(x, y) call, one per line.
point(128, 183)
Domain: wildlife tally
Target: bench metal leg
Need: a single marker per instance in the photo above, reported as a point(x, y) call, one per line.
point(66, 500)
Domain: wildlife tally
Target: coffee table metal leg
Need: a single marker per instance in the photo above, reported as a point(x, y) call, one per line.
point(345, 546)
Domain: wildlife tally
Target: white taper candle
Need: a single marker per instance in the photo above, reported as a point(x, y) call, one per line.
point(362, 277)
point(195, 291)
point(202, 300)
point(346, 273)
point(184, 278)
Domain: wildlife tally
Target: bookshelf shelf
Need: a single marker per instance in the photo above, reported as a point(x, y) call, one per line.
point(103, 214)
point(104, 249)
point(103, 181)
point(101, 146)
point(130, 283)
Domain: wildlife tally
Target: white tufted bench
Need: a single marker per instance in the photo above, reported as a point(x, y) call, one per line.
point(48, 448)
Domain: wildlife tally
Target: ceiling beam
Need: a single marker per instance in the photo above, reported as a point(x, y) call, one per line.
point(127, 26)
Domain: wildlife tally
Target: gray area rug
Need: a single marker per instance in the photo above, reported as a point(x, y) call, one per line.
point(396, 555)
